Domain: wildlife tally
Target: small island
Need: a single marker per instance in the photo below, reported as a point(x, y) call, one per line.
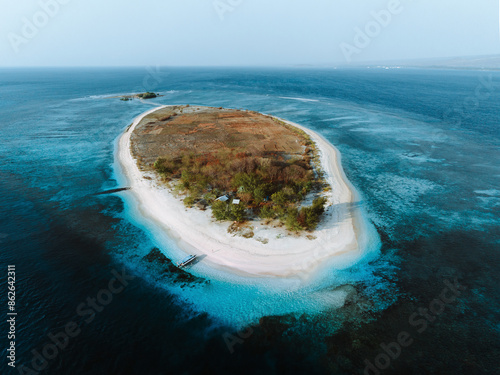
point(144, 95)
point(258, 195)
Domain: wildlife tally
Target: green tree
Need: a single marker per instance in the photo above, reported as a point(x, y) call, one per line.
point(237, 212)
point(318, 205)
point(226, 211)
point(249, 182)
point(259, 195)
point(309, 217)
point(186, 179)
point(291, 221)
point(220, 210)
point(160, 165)
point(266, 212)
point(279, 198)
point(189, 201)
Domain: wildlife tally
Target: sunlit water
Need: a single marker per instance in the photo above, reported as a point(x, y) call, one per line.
point(420, 146)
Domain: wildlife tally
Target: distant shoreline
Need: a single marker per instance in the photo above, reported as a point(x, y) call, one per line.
point(341, 232)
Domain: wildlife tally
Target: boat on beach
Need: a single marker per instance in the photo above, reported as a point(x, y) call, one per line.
point(186, 261)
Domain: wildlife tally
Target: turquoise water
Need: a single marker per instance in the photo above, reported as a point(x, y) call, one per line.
point(240, 300)
point(421, 146)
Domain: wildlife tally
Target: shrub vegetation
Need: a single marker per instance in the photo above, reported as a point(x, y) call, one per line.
point(267, 185)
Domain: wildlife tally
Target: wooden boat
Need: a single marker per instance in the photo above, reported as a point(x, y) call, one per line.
point(186, 260)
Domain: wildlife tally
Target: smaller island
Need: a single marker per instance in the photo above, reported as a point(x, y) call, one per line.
point(144, 95)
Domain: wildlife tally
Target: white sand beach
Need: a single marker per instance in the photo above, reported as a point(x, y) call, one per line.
point(342, 230)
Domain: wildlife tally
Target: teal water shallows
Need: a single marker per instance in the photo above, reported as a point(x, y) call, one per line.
point(421, 146)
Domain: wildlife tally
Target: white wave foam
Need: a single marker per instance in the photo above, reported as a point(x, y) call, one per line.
point(299, 99)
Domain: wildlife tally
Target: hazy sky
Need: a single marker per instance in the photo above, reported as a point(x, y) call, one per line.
point(242, 32)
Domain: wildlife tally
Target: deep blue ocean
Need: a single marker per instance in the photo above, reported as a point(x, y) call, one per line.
point(421, 146)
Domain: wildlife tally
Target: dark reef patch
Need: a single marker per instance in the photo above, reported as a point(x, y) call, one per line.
point(157, 261)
